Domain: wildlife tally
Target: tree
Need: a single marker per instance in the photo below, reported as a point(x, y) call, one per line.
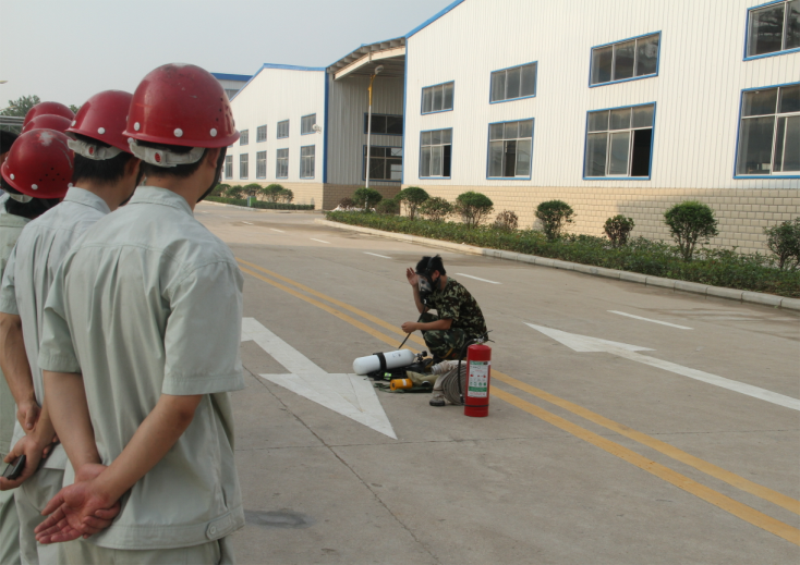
point(554, 215)
point(287, 195)
point(75, 109)
point(436, 209)
point(19, 107)
point(618, 229)
point(367, 196)
point(234, 192)
point(784, 241)
point(272, 192)
point(413, 196)
point(473, 207)
point(689, 222)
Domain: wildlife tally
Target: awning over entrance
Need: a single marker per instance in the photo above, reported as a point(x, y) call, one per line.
point(363, 61)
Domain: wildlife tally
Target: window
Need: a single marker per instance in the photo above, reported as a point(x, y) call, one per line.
point(244, 137)
point(283, 129)
point(282, 164)
point(437, 98)
point(510, 146)
point(261, 134)
point(625, 60)
point(769, 134)
point(435, 153)
point(773, 28)
point(243, 164)
point(261, 165)
point(385, 124)
point(516, 82)
point(385, 163)
point(228, 166)
point(619, 142)
point(307, 162)
point(306, 124)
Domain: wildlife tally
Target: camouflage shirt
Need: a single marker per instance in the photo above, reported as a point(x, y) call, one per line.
point(456, 303)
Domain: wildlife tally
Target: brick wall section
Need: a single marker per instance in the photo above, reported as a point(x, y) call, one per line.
point(742, 213)
point(335, 192)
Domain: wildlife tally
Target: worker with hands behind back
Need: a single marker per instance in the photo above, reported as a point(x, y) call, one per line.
point(134, 374)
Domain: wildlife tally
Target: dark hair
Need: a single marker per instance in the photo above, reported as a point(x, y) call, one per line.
point(180, 171)
point(428, 265)
point(106, 171)
point(30, 210)
point(7, 138)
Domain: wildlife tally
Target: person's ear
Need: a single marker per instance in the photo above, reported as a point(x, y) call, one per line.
point(212, 156)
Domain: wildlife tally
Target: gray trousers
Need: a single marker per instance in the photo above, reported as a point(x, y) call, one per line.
point(31, 497)
point(9, 526)
point(218, 552)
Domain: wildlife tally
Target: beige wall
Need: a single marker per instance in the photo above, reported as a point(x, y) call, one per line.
point(742, 213)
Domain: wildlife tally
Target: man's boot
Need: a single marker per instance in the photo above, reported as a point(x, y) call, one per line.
point(437, 399)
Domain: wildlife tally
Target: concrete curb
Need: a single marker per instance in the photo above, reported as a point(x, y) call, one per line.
point(260, 209)
point(682, 286)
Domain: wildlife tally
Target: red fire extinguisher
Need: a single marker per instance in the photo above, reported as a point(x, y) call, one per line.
point(479, 368)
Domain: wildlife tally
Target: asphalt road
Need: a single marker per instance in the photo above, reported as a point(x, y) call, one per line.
point(677, 442)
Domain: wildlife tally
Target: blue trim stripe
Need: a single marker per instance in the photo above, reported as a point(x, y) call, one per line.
point(429, 21)
point(325, 133)
point(226, 76)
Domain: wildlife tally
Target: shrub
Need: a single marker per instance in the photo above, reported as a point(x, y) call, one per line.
point(473, 207)
point(234, 191)
point(388, 206)
point(261, 204)
point(413, 196)
point(690, 222)
point(618, 229)
point(507, 220)
point(286, 195)
point(436, 209)
point(272, 192)
point(251, 189)
point(554, 215)
point(784, 241)
point(220, 189)
point(367, 197)
point(346, 203)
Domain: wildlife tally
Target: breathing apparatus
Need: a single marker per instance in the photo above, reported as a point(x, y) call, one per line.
point(425, 282)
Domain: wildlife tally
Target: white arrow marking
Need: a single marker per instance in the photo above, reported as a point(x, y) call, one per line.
point(477, 278)
point(348, 394)
point(649, 320)
point(586, 344)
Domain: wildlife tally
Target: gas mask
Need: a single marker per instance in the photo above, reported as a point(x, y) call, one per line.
point(426, 286)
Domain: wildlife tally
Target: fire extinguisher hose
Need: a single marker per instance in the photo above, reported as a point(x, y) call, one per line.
point(452, 386)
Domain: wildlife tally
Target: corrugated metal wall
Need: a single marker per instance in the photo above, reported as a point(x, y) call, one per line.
point(697, 91)
point(348, 102)
point(275, 95)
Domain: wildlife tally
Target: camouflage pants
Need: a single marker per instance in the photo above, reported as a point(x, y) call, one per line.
point(444, 344)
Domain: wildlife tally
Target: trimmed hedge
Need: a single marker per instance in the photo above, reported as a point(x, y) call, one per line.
point(727, 268)
point(261, 204)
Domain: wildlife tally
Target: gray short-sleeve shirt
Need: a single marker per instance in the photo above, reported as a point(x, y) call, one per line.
point(39, 251)
point(150, 303)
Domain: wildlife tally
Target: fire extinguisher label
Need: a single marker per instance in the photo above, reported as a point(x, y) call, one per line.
point(478, 379)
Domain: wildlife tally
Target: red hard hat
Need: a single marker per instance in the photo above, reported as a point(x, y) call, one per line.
point(39, 164)
point(103, 117)
point(41, 108)
point(181, 105)
point(47, 121)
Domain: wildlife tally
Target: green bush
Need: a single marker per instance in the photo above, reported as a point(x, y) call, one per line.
point(261, 204)
point(286, 195)
point(436, 209)
point(366, 196)
point(690, 222)
point(251, 189)
point(784, 241)
point(388, 206)
point(234, 191)
point(347, 203)
point(618, 229)
point(413, 196)
point(754, 272)
point(473, 207)
point(220, 189)
point(507, 220)
point(272, 192)
point(554, 215)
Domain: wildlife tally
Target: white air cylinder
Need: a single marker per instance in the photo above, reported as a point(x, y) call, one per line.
point(393, 359)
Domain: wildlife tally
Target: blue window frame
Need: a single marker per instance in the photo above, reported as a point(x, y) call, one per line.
point(282, 163)
point(307, 161)
point(283, 129)
point(768, 141)
point(261, 164)
point(244, 137)
point(510, 150)
point(619, 143)
point(307, 124)
point(261, 134)
point(228, 166)
point(435, 153)
point(630, 59)
point(438, 98)
point(244, 163)
point(772, 29)
point(385, 164)
point(513, 83)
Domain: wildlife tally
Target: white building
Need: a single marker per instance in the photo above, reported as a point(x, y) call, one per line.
point(615, 107)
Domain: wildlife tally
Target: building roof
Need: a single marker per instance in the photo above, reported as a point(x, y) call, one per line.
point(227, 76)
point(390, 54)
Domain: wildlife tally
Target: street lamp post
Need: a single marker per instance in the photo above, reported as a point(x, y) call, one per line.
point(378, 69)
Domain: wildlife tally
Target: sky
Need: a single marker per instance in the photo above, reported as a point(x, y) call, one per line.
point(68, 50)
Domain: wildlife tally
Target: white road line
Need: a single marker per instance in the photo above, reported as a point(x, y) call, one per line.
point(477, 278)
point(376, 255)
point(277, 230)
point(320, 240)
point(251, 223)
point(649, 320)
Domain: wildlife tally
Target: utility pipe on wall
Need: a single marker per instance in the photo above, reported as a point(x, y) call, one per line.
point(378, 69)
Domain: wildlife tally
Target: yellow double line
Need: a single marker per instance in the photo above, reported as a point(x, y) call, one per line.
point(726, 503)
